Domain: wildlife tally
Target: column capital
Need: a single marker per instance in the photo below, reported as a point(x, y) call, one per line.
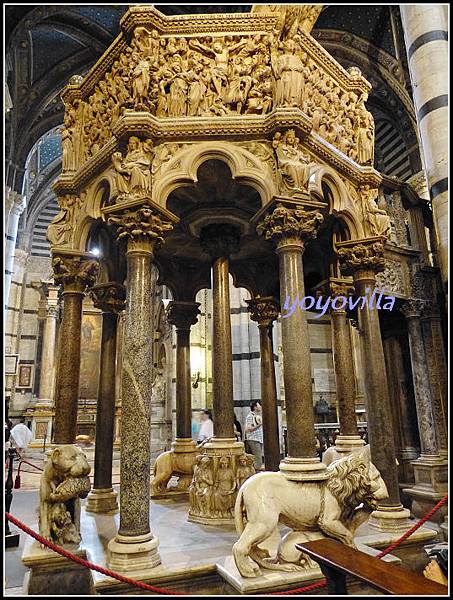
point(359, 257)
point(220, 239)
point(413, 308)
point(336, 286)
point(109, 297)
point(291, 222)
point(183, 314)
point(144, 227)
point(263, 309)
point(74, 272)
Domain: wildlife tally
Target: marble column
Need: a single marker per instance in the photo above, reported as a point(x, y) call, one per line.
point(349, 439)
point(14, 206)
point(47, 379)
point(430, 469)
point(363, 259)
point(108, 297)
point(426, 36)
point(134, 548)
point(290, 225)
point(265, 310)
point(437, 369)
point(74, 273)
point(221, 458)
point(183, 315)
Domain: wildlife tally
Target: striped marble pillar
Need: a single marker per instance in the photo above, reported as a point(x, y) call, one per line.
point(426, 36)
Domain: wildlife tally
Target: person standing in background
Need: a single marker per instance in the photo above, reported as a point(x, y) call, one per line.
point(237, 429)
point(20, 436)
point(207, 426)
point(254, 433)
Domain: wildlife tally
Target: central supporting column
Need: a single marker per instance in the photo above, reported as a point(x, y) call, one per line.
point(222, 465)
point(109, 297)
point(75, 273)
point(363, 259)
point(183, 450)
point(430, 469)
point(290, 225)
point(265, 311)
point(134, 548)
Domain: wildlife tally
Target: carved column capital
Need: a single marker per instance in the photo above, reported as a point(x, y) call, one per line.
point(361, 257)
point(413, 308)
point(142, 226)
point(339, 287)
point(75, 273)
point(109, 297)
point(183, 314)
point(263, 310)
point(289, 223)
point(220, 239)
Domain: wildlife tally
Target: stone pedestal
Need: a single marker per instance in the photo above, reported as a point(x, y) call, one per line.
point(211, 503)
point(431, 485)
point(103, 501)
point(54, 575)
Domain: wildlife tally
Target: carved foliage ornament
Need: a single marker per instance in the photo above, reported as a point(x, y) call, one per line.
point(361, 257)
point(141, 223)
point(263, 310)
point(109, 297)
point(286, 222)
point(413, 308)
point(75, 271)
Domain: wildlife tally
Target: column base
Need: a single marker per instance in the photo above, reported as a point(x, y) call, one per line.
point(431, 485)
point(102, 501)
point(349, 443)
point(390, 519)
point(210, 504)
point(133, 554)
point(52, 574)
point(303, 469)
point(177, 462)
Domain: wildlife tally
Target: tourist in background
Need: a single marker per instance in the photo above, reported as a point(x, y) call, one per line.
point(20, 436)
point(207, 426)
point(254, 434)
point(237, 428)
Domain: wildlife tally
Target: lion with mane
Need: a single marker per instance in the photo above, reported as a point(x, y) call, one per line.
point(334, 507)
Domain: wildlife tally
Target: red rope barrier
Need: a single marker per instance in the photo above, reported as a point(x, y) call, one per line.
point(157, 590)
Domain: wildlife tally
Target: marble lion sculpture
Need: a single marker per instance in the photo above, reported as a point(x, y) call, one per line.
point(172, 463)
point(64, 480)
point(334, 507)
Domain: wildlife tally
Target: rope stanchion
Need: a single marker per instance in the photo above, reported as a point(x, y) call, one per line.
point(163, 591)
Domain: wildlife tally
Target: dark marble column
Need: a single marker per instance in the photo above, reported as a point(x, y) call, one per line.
point(219, 241)
point(134, 546)
point(183, 315)
point(75, 273)
point(109, 297)
point(290, 225)
point(363, 259)
point(265, 310)
point(412, 310)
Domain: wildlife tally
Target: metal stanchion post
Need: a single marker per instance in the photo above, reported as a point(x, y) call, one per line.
point(11, 539)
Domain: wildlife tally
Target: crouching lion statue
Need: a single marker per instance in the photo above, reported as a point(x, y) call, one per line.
point(64, 480)
point(329, 507)
point(169, 464)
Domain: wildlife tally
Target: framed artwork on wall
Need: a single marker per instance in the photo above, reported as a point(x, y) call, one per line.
point(25, 378)
point(11, 362)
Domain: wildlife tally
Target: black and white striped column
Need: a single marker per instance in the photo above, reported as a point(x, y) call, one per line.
point(426, 36)
point(14, 205)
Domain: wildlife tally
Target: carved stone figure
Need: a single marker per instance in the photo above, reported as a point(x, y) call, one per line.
point(224, 488)
point(67, 146)
point(292, 162)
point(200, 490)
point(288, 71)
point(61, 229)
point(64, 480)
point(173, 464)
point(140, 80)
point(377, 219)
point(267, 499)
point(364, 132)
point(245, 469)
point(134, 171)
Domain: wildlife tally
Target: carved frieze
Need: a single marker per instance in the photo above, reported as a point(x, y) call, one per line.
point(394, 278)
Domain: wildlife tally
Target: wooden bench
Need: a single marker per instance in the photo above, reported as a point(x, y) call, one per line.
point(337, 561)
